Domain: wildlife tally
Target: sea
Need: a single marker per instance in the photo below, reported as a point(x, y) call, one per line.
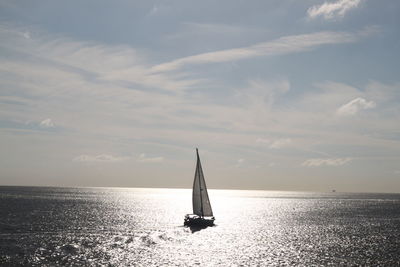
point(49, 226)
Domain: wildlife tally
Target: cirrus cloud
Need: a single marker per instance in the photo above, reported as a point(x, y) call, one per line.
point(144, 159)
point(99, 158)
point(333, 9)
point(326, 162)
point(275, 144)
point(47, 123)
point(281, 46)
point(354, 106)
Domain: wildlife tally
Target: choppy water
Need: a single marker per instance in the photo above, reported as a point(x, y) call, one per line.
point(143, 227)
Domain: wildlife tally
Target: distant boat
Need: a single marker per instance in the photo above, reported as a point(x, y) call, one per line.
point(202, 212)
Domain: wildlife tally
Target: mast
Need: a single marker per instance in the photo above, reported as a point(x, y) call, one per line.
point(198, 171)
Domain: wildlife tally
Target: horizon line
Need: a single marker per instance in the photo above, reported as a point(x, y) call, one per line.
point(185, 188)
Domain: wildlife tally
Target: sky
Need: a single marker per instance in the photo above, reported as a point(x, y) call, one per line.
point(277, 95)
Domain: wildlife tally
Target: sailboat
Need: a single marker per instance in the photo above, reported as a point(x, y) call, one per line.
point(202, 212)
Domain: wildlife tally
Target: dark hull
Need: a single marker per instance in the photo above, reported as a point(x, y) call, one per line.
point(198, 221)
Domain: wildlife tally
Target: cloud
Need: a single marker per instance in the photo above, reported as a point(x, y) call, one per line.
point(263, 141)
point(159, 9)
point(333, 9)
point(275, 144)
point(144, 159)
point(326, 162)
point(239, 163)
point(267, 92)
point(27, 35)
point(354, 106)
point(280, 143)
point(99, 158)
point(280, 46)
point(69, 82)
point(47, 123)
point(92, 61)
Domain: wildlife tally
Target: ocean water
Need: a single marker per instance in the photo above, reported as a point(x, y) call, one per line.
point(144, 227)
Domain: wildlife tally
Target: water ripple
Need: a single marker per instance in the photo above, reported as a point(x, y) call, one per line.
point(143, 227)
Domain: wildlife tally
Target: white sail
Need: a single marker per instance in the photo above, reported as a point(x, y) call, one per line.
point(201, 202)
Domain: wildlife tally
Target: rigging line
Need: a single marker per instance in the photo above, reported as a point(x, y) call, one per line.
point(198, 172)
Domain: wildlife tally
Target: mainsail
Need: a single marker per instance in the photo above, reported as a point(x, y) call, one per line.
point(201, 202)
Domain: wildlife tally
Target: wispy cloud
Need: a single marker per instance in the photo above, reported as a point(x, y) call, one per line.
point(239, 163)
point(263, 141)
point(76, 93)
point(100, 100)
point(280, 46)
point(331, 10)
point(159, 9)
point(280, 143)
point(27, 35)
point(275, 144)
point(47, 123)
point(104, 63)
point(326, 162)
point(99, 158)
point(354, 106)
point(144, 159)
point(270, 91)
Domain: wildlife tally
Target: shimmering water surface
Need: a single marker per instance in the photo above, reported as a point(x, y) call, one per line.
point(144, 227)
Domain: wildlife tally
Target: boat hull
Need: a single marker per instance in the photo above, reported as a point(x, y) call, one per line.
point(194, 220)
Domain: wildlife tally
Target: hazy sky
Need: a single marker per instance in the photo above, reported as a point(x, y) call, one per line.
point(280, 94)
